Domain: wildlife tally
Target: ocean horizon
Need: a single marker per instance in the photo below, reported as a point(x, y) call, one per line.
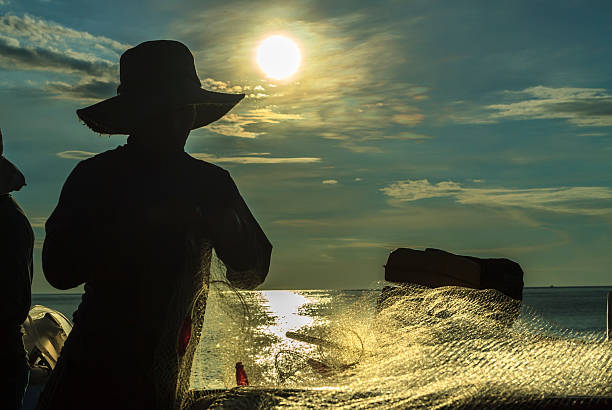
point(577, 308)
point(555, 347)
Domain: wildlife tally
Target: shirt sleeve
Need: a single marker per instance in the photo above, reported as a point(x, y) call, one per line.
point(240, 242)
point(71, 240)
point(16, 244)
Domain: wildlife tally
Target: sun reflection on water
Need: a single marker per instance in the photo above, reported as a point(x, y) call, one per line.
point(284, 306)
point(424, 348)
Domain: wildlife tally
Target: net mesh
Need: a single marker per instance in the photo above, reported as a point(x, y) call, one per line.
point(419, 347)
point(171, 368)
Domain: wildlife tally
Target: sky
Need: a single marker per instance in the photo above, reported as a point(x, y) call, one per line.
point(478, 127)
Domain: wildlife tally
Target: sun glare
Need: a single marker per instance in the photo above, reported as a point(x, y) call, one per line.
point(278, 57)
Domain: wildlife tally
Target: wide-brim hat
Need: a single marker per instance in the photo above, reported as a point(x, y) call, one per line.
point(11, 179)
point(156, 77)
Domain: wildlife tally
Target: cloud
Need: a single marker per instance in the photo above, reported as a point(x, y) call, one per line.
point(574, 200)
point(593, 134)
point(363, 143)
point(251, 158)
point(360, 243)
point(408, 136)
point(47, 33)
point(234, 124)
point(408, 119)
point(14, 56)
point(38, 243)
point(362, 149)
point(342, 90)
point(584, 107)
point(75, 154)
point(266, 115)
point(334, 136)
point(34, 44)
point(255, 159)
point(87, 90)
point(329, 182)
point(216, 85)
point(38, 221)
point(302, 223)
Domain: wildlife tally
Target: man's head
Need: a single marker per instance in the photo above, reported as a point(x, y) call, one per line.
point(168, 130)
point(156, 78)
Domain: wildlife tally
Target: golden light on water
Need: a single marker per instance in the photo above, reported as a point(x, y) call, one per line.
point(284, 308)
point(278, 57)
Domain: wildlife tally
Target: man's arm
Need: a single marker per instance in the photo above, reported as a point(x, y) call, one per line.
point(16, 243)
point(240, 242)
point(69, 235)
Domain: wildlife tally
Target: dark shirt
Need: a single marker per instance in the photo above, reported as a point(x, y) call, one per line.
point(16, 245)
point(121, 226)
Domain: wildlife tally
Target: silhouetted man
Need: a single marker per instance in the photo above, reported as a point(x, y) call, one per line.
point(137, 224)
point(16, 245)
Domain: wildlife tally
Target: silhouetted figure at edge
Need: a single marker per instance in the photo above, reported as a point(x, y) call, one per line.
point(16, 245)
point(125, 224)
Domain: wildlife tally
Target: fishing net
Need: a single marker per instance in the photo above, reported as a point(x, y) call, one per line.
point(182, 327)
point(418, 347)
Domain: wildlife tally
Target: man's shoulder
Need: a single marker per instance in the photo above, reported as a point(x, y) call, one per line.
point(106, 155)
point(14, 220)
point(102, 159)
point(206, 167)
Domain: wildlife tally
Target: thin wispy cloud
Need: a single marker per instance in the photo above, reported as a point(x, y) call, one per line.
point(233, 125)
point(37, 221)
point(361, 149)
point(302, 223)
point(76, 154)
point(408, 136)
point(38, 243)
point(250, 159)
point(408, 118)
point(593, 134)
point(237, 125)
point(92, 90)
point(360, 243)
point(583, 200)
point(584, 107)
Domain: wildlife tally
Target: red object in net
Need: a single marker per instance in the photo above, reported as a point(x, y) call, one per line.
point(241, 376)
point(184, 336)
point(320, 367)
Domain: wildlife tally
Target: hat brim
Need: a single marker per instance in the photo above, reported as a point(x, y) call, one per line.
point(11, 179)
point(124, 113)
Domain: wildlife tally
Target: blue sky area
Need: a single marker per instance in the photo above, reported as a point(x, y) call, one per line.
point(478, 127)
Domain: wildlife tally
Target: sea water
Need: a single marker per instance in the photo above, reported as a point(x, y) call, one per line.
point(576, 308)
point(402, 348)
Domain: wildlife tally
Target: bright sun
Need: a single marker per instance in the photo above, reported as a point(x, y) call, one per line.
point(279, 57)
